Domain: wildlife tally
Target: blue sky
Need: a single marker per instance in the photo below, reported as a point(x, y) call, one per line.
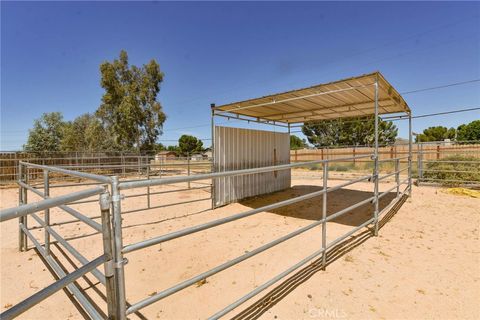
point(224, 52)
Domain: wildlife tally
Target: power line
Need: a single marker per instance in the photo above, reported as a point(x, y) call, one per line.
point(440, 87)
point(442, 113)
point(416, 117)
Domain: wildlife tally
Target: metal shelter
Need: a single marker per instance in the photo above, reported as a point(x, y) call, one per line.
point(361, 96)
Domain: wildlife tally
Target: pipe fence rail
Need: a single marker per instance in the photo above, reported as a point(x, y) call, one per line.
point(108, 188)
point(103, 163)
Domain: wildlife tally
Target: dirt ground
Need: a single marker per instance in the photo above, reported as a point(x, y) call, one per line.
point(424, 264)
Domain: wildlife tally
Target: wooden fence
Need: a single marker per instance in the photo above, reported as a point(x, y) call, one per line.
point(427, 151)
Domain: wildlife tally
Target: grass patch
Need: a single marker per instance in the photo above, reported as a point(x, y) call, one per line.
point(463, 172)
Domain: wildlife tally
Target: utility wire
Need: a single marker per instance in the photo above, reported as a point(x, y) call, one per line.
point(440, 87)
point(442, 113)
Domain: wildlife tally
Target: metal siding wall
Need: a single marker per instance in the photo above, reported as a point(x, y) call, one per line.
point(237, 149)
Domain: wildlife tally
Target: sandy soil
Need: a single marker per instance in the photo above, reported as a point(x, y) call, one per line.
point(424, 264)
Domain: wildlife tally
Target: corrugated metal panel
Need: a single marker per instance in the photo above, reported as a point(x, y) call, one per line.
point(237, 149)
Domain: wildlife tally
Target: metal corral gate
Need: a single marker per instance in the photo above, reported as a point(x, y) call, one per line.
point(237, 149)
point(114, 250)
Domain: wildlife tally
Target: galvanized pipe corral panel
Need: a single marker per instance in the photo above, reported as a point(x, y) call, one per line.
point(237, 149)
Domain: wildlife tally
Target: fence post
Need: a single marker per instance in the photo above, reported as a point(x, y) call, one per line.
point(108, 251)
point(139, 164)
point(123, 163)
point(46, 193)
point(324, 216)
point(148, 188)
point(25, 218)
point(20, 203)
point(397, 175)
point(119, 261)
point(420, 163)
point(188, 167)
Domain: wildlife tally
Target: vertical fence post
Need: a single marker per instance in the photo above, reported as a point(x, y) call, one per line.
point(46, 193)
point(139, 164)
point(324, 215)
point(397, 175)
point(188, 167)
point(20, 202)
point(108, 251)
point(118, 261)
point(148, 188)
point(25, 219)
point(420, 162)
point(123, 162)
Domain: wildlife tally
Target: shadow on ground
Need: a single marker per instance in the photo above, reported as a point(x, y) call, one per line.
point(312, 209)
point(276, 294)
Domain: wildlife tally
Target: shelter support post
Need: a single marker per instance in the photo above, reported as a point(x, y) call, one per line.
point(410, 154)
point(375, 156)
point(212, 123)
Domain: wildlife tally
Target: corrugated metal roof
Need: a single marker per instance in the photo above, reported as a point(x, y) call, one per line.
point(352, 97)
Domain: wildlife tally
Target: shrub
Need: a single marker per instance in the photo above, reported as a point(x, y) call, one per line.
point(341, 167)
point(460, 171)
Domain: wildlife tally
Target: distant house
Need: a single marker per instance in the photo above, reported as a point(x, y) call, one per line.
point(207, 154)
point(165, 155)
point(196, 157)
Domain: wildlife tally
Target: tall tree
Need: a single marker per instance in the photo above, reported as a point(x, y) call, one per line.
point(189, 144)
point(437, 133)
point(350, 131)
point(129, 108)
point(46, 134)
point(469, 132)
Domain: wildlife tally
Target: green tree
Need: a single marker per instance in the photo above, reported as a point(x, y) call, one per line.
point(129, 109)
point(86, 133)
point(469, 132)
point(437, 133)
point(189, 144)
point(297, 143)
point(157, 147)
point(97, 137)
point(349, 131)
point(46, 134)
point(173, 148)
